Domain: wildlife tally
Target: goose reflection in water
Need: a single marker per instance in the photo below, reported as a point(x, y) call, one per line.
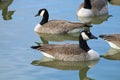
point(45, 38)
point(4, 4)
point(112, 54)
point(83, 67)
point(94, 20)
point(114, 2)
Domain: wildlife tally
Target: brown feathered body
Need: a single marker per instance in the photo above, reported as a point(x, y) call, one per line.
point(60, 26)
point(65, 52)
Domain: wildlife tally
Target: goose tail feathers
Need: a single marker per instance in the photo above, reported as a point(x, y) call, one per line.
point(35, 47)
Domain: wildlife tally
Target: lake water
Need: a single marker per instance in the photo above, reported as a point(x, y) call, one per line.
point(19, 62)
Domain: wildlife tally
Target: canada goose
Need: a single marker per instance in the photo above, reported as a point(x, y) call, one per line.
point(70, 52)
point(90, 8)
point(112, 39)
point(56, 26)
point(112, 54)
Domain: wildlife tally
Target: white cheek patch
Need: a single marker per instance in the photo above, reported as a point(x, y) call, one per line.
point(85, 37)
point(42, 13)
point(113, 45)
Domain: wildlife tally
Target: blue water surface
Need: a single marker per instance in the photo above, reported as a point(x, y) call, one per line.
point(17, 35)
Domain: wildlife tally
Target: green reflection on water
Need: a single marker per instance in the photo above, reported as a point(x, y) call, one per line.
point(4, 4)
point(82, 66)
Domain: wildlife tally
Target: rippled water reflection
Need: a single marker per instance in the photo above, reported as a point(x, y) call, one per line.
point(17, 23)
point(83, 67)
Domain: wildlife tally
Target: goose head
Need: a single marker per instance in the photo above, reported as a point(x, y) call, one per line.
point(44, 13)
point(86, 35)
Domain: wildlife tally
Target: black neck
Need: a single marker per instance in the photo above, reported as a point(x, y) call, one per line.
point(83, 44)
point(45, 18)
point(87, 4)
point(109, 0)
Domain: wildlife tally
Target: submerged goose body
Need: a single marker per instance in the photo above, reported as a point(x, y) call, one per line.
point(56, 26)
point(90, 8)
point(70, 52)
point(112, 39)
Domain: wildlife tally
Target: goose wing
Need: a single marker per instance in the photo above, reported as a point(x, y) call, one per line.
point(58, 49)
point(60, 26)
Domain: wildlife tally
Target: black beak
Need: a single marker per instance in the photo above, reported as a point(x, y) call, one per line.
point(101, 36)
point(93, 37)
point(36, 15)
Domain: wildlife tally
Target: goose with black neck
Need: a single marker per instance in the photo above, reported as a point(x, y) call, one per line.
point(91, 8)
point(57, 26)
point(70, 52)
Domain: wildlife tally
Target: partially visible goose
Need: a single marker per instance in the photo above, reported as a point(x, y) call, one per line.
point(114, 2)
point(112, 54)
point(90, 8)
point(56, 26)
point(112, 39)
point(70, 52)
